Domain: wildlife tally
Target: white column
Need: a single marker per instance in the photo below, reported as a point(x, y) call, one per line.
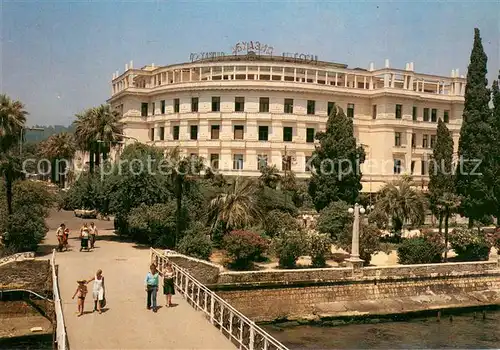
point(305, 75)
point(364, 82)
point(371, 83)
point(326, 78)
point(200, 74)
point(295, 74)
point(211, 73)
point(423, 85)
point(246, 72)
point(355, 81)
point(316, 77)
point(345, 80)
point(182, 75)
point(336, 78)
point(283, 74)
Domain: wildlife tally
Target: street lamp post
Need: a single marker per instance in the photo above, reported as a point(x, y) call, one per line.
point(354, 261)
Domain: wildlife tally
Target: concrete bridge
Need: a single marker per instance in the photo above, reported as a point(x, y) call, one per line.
point(198, 320)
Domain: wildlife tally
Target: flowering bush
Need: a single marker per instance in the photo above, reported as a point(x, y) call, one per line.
point(469, 244)
point(421, 250)
point(319, 245)
point(244, 247)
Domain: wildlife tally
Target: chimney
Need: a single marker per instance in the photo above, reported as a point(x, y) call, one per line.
point(386, 63)
point(126, 67)
point(372, 67)
point(453, 73)
point(407, 67)
point(131, 64)
point(456, 73)
point(411, 66)
point(152, 65)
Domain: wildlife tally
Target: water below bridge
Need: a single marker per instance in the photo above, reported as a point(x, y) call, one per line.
point(464, 331)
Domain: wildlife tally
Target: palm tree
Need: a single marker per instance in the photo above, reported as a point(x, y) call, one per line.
point(181, 171)
point(447, 205)
point(236, 207)
point(402, 203)
point(56, 148)
point(12, 121)
point(269, 176)
point(98, 124)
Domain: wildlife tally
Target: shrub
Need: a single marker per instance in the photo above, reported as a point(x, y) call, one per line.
point(369, 241)
point(421, 250)
point(154, 224)
point(288, 247)
point(277, 222)
point(335, 220)
point(469, 244)
point(244, 247)
point(319, 246)
point(25, 230)
point(196, 243)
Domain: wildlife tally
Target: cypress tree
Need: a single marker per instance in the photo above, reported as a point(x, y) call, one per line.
point(336, 161)
point(440, 170)
point(474, 172)
point(496, 149)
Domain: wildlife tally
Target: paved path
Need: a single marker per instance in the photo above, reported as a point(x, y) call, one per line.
point(126, 324)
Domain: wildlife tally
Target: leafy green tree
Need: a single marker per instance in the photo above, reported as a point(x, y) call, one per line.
point(442, 198)
point(276, 222)
point(288, 247)
point(196, 242)
point(154, 224)
point(399, 202)
point(474, 173)
point(335, 220)
point(269, 199)
point(57, 148)
point(25, 230)
point(496, 149)
point(336, 162)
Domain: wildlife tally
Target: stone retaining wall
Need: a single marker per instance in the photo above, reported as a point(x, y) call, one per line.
point(17, 257)
point(204, 271)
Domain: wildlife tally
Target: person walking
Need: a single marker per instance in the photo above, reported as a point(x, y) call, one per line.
point(93, 233)
point(81, 292)
point(151, 285)
point(61, 232)
point(98, 291)
point(168, 284)
point(84, 236)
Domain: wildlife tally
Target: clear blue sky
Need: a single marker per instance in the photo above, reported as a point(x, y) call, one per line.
point(58, 56)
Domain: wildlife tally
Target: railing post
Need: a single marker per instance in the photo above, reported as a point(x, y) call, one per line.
point(212, 302)
point(221, 317)
point(252, 338)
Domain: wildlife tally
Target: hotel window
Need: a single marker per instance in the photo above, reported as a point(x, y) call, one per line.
point(331, 106)
point(433, 141)
point(412, 170)
point(423, 167)
point(162, 133)
point(215, 104)
point(426, 114)
point(374, 112)
point(175, 132)
point(288, 106)
point(194, 132)
point(214, 132)
point(434, 117)
point(414, 113)
point(413, 140)
point(152, 134)
point(397, 166)
point(399, 111)
point(238, 132)
point(238, 162)
point(397, 139)
point(425, 141)
point(286, 163)
point(287, 133)
point(264, 104)
point(311, 107)
point(307, 166)
point(261, 161)
point(214, 161)
point(177, 105)
point(446, 116)
point(310, 135)
point(144, 109)
point(194, 104)
point(239, 104)
point(153, 108)
point(162, 104)
point(350, 110)
point(263, 133)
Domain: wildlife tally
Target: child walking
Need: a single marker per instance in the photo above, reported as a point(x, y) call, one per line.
point(81, 291)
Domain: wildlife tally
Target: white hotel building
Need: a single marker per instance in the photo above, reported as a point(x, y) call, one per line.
point(242, 111)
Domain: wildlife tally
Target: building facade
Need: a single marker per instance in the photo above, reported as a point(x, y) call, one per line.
point(240, 112)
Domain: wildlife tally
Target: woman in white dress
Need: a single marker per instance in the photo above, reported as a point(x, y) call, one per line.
point(98, 290)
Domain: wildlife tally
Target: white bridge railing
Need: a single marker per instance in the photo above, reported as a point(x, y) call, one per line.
point(242, 331)
point(61, 338)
